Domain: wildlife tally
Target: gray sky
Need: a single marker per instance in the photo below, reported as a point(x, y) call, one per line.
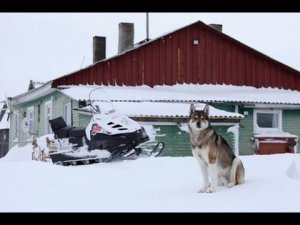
point(43, 46)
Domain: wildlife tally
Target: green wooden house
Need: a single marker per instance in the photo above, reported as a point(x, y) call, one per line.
point(240, 118)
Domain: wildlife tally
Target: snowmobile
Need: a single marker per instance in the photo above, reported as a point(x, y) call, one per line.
point(109, 136)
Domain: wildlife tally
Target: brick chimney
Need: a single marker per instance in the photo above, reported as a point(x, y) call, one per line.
point(126, 36)
point(99, 48)
point(218, 27)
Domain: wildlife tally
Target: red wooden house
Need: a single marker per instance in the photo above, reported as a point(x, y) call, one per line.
point(195, 54)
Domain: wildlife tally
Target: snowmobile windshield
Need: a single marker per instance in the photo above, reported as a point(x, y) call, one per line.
point(105, 108)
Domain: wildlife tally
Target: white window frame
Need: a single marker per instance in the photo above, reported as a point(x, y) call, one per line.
point(48, 117)
point(68, 112)
point(258, 129)
point(16, 125)
point(30, 111)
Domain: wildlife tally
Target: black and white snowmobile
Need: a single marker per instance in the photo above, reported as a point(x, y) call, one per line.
point(108, 137)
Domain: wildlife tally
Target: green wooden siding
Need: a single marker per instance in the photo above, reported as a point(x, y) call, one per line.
point(246, 133)
point(291, 122)
point(38, 120)
point(58, 101)
point(58, 104)
point(75, 114)
point(228, 136)
point(84, 120)
point(177, 142)
point(226, 107)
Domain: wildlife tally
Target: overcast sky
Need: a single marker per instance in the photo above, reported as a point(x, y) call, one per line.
point(43, 46)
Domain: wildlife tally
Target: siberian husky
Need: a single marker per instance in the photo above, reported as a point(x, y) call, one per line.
point(217, 161)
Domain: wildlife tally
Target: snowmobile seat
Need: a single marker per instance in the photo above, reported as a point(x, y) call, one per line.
point(62, 130)
point(57, 124)
point(59, 127)
point(76, 132)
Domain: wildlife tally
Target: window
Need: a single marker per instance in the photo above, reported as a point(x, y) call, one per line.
point(82, 104)
point(16, 125)
point(67, 113)
point(30, 116)
point(267, 121)
point(48, 116)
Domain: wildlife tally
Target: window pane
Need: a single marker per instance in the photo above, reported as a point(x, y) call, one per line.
point(67, 113)
point(275, 120)
point(16, 125)
point(48, 116)
point(267, 120)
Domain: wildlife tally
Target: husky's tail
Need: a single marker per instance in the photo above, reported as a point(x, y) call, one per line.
point(237, 172)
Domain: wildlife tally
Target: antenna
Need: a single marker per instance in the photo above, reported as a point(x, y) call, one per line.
point(82, 62)
point(147, 27)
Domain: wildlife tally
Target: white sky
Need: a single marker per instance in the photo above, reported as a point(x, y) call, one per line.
point(43, 46)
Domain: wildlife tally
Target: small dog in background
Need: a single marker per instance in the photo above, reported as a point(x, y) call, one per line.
point(38, 154)
point(217, 161)
point(51, 145)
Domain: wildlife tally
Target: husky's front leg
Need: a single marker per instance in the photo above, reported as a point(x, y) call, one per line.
point(212, 167)
point(204, 171)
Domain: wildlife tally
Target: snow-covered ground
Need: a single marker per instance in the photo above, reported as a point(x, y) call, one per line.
point(163, 184)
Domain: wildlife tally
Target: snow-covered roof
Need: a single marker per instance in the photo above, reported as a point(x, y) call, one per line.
point(142, 106)
point(38, 84)
point(185, 93)
point(4, 121)
point(167, 109)
point(33, 94)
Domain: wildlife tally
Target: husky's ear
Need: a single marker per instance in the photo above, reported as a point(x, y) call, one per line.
point(206, 109)
point(192, 109)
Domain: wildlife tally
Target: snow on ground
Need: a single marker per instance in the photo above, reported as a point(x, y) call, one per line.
point(163, 184)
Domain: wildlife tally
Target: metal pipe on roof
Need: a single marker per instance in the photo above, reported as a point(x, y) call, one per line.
point(147, 27)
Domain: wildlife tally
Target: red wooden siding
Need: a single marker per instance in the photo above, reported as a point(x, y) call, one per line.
point(173, 58)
